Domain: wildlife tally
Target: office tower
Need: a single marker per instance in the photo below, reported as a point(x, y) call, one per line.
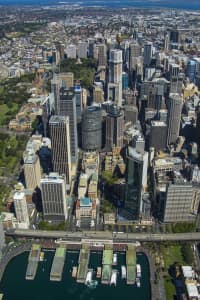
point(174, 118)
point(78, 97)
point(178, 203)
point(92, 129)
point(32, 171)
point(115, 75)
point(67, 107)
point(130, 97)
point(153, 94)
point(124, 81)
point(114, 127)
point(55, 57)
point(158, 135)
point(148, 50)
point(102, 55)
point(98, 94)
point(2, 237)
point(174, 36)
point(134, 53)
point(71, 51)
point(84, 97)
point(130, 114)
point(91, 46)
point(21, 209)
point(176, 79)
point(166, 45)
point(137, 164)
point(60, 145)
point(82, 50)
point(191, 69)
point(55, 89)
point(53, 189)
point(67, 79)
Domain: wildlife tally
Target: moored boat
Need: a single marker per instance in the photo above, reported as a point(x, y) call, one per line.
point(123, 272)
point(113, 280)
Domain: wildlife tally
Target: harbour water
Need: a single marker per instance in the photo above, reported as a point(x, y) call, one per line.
point(16, 287)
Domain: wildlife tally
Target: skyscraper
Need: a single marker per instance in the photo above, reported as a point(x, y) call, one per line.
point(114, 127)
point(21, 209)
point(82, 50)
point(174, 118)
point(78, 97)
point(67, 107)
point(134, 53)
point(60, 145)
point(55, 89)
point(32, 171)
point(54, 197)
point(178, 204)
point(92, 129)
point(191, 69)
point(137, 164)
point(158, 135)
point(102, 55)
point(148, 49)
point(115, 75)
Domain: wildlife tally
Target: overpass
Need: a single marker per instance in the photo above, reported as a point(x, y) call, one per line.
point(118, 237)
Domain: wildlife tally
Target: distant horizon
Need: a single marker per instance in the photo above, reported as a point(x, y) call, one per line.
point(170, 4)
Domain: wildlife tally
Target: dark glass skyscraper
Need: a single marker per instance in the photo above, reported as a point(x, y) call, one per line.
point(92, 129)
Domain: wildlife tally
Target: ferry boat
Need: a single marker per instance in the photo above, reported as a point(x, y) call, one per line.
point(74, 272)
point(123, 272)
point(98, 275)
point(41, 256)
point(138, 270)
point(114, 259)
point(138, 284)
point(88, 279)
point(113, 279)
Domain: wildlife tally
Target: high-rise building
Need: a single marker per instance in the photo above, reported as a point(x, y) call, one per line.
point(148, 51)
point(21, 209)
point(92, 129)
point(124, 81)
point(158, 135)
point(60, 145)
point(32, 170)
point(130, 114)
point(174, 36)
point(82, 50)
point(67, 107)
point(174, 118)
point(67, 79)
point(55, 89)
point(54, 197)
point(114, 127)
point(137, 164)
point(191, 70)
point(115, 75)
point(178, 204)
point(78, 97)
point(176, 79)
point(98, 94)
point(134, 53)
point(71, 51)
point(102, 55)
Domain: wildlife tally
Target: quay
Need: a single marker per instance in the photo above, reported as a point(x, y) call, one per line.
point(58, 264)
point(107, 264)
point(131, 264)
point(33, 260)
point(83, 263)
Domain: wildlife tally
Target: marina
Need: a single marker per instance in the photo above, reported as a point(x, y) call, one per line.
point(68, 287)
point(58, 264)
point(33, 260)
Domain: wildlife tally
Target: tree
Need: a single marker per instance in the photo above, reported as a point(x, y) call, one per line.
point(187, 253)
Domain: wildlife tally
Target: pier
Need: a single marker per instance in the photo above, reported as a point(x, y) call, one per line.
point(83, 263)
point(58, 264)
point(107, 264)
point(131, 264)
point(33, 260)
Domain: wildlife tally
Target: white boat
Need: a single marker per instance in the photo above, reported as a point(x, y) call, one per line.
point(138, 282)
point(88, 279)
point(138, 270)
point(123, 271)
point(113, 279)
point(114, 259)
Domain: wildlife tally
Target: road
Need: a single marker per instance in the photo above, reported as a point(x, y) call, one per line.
point(105, 235)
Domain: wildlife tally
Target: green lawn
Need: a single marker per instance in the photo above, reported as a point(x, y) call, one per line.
point(172, 254)
point(170, 290)
point(3, 110)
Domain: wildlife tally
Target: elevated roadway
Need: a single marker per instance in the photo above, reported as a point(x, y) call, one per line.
point(104, 235)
